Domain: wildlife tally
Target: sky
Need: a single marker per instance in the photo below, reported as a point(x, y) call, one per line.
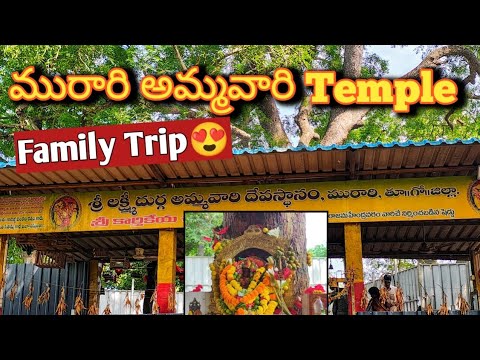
point(316, 229)
point(400, 61)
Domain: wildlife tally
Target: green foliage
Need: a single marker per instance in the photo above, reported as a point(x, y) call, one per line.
point(427, 123)
point(375, 268)
point(319, 251)
point(14, 252)
point(124, 280)
point(380, 125)
point(332, 58)
point(264, 59)
point(180, 283)
point(198, 225)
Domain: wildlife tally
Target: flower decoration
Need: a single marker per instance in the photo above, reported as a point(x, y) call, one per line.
point(253, 286)
point(317, 289)
point(197, 288)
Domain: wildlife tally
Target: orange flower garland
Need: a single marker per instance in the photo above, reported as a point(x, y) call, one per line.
point(256, 299)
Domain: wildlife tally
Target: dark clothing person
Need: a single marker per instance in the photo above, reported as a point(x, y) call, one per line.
point(375, 304)
point(340, 306)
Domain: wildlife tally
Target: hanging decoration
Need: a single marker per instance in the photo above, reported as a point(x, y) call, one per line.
point(462, 304)
point(128, 303)
point(62, 305)
point(137, 306)
point(93, 309)
point(429, 309)
point(427, 304)
point(13, 291)
point(79, 306)
point(399, 298)
point(3, 282)
point(364, 300)
point(107, 310)
point(309, 258)
point(44, 296)
point(27, 302)
point(443, 306)
point(153, 301)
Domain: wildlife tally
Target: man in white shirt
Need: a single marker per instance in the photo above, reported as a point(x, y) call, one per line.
point(391, 293)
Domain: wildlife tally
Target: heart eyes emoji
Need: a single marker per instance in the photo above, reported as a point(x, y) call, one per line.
point(209, 139)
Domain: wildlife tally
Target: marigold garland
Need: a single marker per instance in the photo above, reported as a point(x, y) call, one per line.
point(255, 297)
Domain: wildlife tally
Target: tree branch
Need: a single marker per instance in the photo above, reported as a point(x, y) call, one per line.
point(12, 126)
point(243, 136)
point(233, 52)
point(352, 67)
point(273, 125)
point(352, 64)
point(434, 59)
point(447, 118)
point(6, 136)
point(307, 133)
point(179, 58)
point(342, 121)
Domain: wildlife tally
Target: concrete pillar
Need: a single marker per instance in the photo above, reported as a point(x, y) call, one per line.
point(354, 265)
point(166, 270)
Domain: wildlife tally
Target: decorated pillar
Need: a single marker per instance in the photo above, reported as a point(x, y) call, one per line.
point(3, 266)
point(94, 273)
point(354, 266)
point(166, 270)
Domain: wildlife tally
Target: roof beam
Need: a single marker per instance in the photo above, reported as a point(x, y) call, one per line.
point(351, 164)
point(233, 179)
point(157, 172)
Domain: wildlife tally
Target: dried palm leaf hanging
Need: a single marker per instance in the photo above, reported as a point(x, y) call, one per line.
point(44, 296)
point(13, 291)
point(27, 302)
point(4, 281)
point(107, 310)
point(137, 306)
point(364, 300)
point(153, 300)
point(62, 305)
point(79, 306)
point(93, 309)
point(127, 301)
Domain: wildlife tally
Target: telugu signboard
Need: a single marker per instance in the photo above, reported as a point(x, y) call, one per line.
point(349, 201)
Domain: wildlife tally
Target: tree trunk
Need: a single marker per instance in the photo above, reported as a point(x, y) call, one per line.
point(291, 225)
point(307, 132)
point(273, 125)
point(343, 120)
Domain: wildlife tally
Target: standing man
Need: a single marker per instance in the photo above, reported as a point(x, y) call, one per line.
point(389, 293)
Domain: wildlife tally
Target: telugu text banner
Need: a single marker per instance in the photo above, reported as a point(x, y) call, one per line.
point(444, 198)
